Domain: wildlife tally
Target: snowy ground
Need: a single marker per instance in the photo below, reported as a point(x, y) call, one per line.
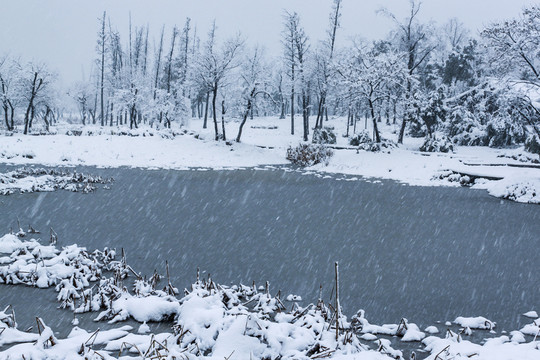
point(212, 321)
point(264, 142)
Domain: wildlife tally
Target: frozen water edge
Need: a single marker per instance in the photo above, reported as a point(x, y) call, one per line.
point(212, 320)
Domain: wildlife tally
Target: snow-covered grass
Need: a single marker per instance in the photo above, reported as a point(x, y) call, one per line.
point(211, 321)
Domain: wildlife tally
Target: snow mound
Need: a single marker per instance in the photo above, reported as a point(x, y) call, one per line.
point(523, 190)
point(9, 243)
point(478, 322)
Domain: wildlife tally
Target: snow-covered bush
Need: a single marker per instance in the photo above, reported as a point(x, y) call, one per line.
point(524, 190)
point(417, 129)
point(437, 144)
point(464, 128)
point(364, 142)
point(373, 146)
point(501, 132)
point(426, 112)
point(532, 144)
point(361, 138)
point(490, 116)
point(324, 136)
point(309, 154)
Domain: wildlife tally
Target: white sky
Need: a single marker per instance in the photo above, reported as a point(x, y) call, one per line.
point(63, 32)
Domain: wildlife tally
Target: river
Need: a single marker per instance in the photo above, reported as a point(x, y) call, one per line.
point(429, 254)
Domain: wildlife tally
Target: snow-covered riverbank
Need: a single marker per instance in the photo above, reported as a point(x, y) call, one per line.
point(212, 321)
point(265, 142)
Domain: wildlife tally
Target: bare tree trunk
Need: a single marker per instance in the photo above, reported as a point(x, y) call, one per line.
point(145, 51)
point(244, 118)
point(5, 103)
point(305, 115)
point(214, 95)
point(320, 113)
point(46, 118)
point(348, 121)
point(338, 306)
point(374, 119)
point(205, 122)
point(112, 114)
point(223, 119)
point(102, 86)
point(292, 100)
point(169, 65)
point(158, 65)
point(12, 113)
point(29, 116)
point(281, 98)
point(394, 116)
point(6, 115)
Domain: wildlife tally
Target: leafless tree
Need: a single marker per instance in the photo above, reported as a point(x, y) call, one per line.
point(328, 46)
point(215, 64)
point(36, 78)
point(414, 41)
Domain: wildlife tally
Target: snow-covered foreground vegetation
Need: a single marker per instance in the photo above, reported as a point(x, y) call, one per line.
point(213, 321)
point(510, 174)
point(39, 179)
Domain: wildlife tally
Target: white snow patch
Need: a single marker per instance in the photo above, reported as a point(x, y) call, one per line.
point(478, 322)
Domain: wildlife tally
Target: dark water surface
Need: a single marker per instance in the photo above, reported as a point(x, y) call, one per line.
point(425, 253)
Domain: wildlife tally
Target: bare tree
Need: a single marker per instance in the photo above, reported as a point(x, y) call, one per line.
point(291, 23)
point(455, 33)
point(329, 46)
point(254, 83)
point(301, 46)
point(8, 96)
point(413, 39)
point(81, 93)
point(101, 52)
point(158, 65)
point(370, 76)
point(33, 85)
point(215, 64)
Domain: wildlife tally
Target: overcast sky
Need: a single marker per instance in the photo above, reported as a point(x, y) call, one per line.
point(63, 32)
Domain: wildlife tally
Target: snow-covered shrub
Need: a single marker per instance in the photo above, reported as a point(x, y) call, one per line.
point(524, 190)
point(437, 144)
point(417, 129)
point(361, 138)
point(464, 128)
point(384, 145)
point(454, 177)
point(503, 132)
point(489, 116)
point(532, 144)
point(427, 112)
point(364, 142)
point(323, 136)
point(309, 154)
